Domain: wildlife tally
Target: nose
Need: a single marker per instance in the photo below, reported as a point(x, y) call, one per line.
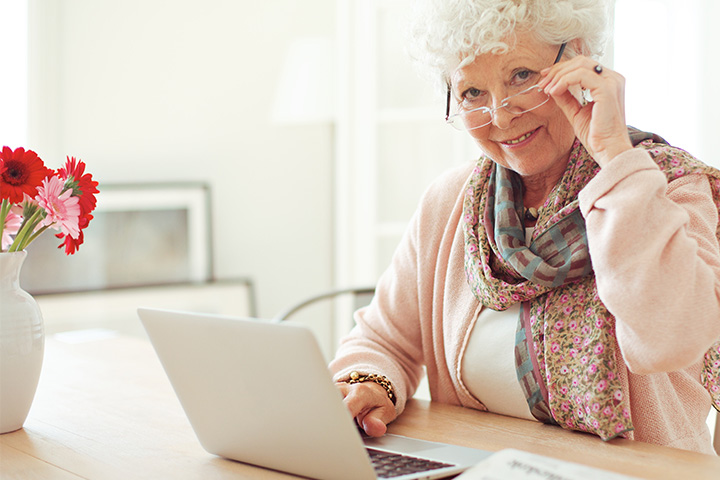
point(502, 118)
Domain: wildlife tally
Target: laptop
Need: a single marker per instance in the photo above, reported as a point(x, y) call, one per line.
point(260, 392)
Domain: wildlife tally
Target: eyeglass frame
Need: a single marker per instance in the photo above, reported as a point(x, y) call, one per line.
point(504, 102)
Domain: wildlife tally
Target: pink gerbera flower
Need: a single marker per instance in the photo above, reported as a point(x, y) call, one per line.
point(62, 210)
point(10, 228)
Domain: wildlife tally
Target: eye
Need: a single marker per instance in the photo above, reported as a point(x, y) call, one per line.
point(474, 96)
point(524, 76)
point(472, 93)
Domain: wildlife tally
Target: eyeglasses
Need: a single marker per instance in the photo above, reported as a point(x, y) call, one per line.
point(516, 104)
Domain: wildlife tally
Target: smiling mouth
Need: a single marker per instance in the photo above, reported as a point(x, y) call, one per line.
point(519, 139)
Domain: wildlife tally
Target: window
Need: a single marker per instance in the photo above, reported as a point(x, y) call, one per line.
point(659, 49)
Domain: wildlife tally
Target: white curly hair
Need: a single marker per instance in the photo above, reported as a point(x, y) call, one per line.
point(444, 33)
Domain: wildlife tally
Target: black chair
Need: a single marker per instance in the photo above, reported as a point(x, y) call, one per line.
point(360, 297)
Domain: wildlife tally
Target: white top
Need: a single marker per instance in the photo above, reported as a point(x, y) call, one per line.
point(488, 365)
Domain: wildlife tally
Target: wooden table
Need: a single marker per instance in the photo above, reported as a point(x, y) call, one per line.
point(104, 410)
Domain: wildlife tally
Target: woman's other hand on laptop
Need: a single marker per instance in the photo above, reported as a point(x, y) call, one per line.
point(369, 405)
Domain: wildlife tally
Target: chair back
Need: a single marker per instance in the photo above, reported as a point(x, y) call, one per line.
point(360, 296)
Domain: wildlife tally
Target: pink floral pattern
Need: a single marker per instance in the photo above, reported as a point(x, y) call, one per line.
point(572, 333)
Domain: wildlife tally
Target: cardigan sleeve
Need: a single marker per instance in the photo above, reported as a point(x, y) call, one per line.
point(393, 336)
point(655, 254)
point(386, 337)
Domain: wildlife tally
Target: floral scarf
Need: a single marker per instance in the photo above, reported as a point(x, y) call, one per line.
point(566, 351)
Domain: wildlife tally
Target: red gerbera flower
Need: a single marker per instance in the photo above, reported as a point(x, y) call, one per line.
point(21, 172)
point(85, 188)
point(70, 244)
point(74, 176)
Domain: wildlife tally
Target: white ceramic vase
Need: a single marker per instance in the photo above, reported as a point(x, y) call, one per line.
point(22, 344)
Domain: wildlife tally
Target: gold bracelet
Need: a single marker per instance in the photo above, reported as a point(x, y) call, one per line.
point(381, 380)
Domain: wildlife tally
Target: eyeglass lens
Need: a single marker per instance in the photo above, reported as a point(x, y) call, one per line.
point(517, 104)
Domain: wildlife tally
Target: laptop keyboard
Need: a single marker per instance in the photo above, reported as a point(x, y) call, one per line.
point(389, 465)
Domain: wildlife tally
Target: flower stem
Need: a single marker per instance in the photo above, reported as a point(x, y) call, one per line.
point(4, 209)
point(36, 234)
point(28, 225)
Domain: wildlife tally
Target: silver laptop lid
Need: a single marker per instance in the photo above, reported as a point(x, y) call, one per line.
point(258, 392)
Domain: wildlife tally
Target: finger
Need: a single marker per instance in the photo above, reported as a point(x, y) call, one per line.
point(606, 89)
point(343, 387)
point(363, 397)
point(369, 404)
point(608, 86)
point(375, 423)
point(568, 103)
point(558, 69)
point(357, 404)
point(585, 78)
point(608, 106)
point(579, 70)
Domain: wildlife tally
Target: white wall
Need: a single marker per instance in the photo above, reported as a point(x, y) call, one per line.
point(667, 52)
point(13, 87)
point(710, 84)
point(181, 90)
point(164, 90)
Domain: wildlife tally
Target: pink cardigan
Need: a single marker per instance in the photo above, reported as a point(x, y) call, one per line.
point(657, 264)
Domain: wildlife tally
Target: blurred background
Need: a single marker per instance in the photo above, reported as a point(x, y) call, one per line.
point(251, 154)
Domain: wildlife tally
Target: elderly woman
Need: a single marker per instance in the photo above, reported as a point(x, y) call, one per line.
point(572, 274)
